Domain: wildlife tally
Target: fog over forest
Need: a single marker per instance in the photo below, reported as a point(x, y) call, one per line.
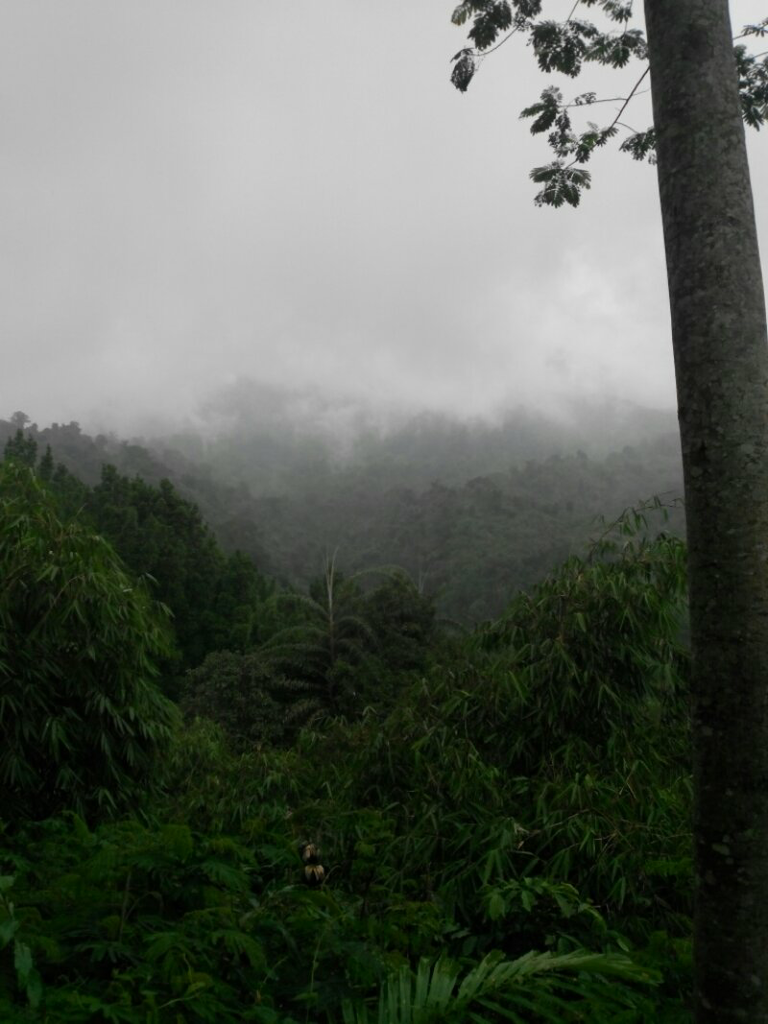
point(271, 254)
point(473, 510)
point(357, 659)
point(296, 195)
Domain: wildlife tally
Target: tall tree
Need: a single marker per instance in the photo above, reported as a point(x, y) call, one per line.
point(330, 640)
point(721, 367)
point(702, 92)
point(21, 448)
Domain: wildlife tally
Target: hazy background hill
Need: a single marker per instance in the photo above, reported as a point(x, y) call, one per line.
point(474, 510)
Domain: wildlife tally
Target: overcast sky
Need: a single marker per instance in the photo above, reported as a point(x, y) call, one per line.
point(195, 191)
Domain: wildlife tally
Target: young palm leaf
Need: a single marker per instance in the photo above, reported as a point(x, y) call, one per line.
point(537, 987)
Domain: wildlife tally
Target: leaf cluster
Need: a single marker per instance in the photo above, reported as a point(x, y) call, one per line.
point(131, 923)
point(565, 47)
point(753, 84)
point(81, 718)
point(490, 19)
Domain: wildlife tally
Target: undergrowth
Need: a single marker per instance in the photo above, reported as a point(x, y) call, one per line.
point(509, 840)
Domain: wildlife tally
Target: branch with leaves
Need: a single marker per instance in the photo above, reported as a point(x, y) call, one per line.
point(565, 47)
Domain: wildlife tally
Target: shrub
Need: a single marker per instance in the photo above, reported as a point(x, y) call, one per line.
point(81, 720)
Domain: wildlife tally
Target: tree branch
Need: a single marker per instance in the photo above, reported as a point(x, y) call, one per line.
point(573, 11)
point(506, 39)
point(629, 98)
point(608, 99)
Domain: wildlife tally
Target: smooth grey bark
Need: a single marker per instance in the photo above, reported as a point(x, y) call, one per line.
point(721, 365)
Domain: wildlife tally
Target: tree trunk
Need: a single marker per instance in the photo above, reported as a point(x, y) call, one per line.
point(721, 366)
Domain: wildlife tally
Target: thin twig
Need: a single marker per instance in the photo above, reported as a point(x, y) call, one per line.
point(617, 119)
point(573, 11)
point(623, 124)
point(745, 34)
point(609, 99)
point(506, 39)
point(629, 98)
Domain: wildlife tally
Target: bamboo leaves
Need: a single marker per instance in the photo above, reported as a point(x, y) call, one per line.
point(79, 642)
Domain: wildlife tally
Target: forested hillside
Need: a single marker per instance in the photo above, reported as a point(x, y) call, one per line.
point(360, 661)
point(223, 799)
point(473, 512)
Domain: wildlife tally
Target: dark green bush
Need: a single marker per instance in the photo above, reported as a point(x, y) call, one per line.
point(81, 719)
point(509, 841)
point(243, 694)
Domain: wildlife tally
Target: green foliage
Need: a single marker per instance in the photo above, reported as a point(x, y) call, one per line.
point(504, 512)
point(472, 543)
point(502, 818)
point(594, 650)
point(753, 82)
point(529, 791)
point(564, 47)
point(561, 184)
point(641, 145)
point(402, 618)
point(215, 788)
point(21, 449)
point(46, 468)
point(243, 694)
point(71, 494)
point(27, 978)
point(349, 648)
point(80, 459)
point(534, 988)
point(214, 599)
point(161, 535)
point(505, 838)
point(243, 610)
point(539, 754)
point(131, 923)
point(329, 641)
point(81, 718)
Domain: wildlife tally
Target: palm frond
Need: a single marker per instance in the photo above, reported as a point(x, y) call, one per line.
point(538, 987)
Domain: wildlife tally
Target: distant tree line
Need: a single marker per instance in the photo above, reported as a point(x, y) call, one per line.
point(414, 498)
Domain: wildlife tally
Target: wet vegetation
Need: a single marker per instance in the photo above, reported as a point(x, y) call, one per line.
point(239, 786)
